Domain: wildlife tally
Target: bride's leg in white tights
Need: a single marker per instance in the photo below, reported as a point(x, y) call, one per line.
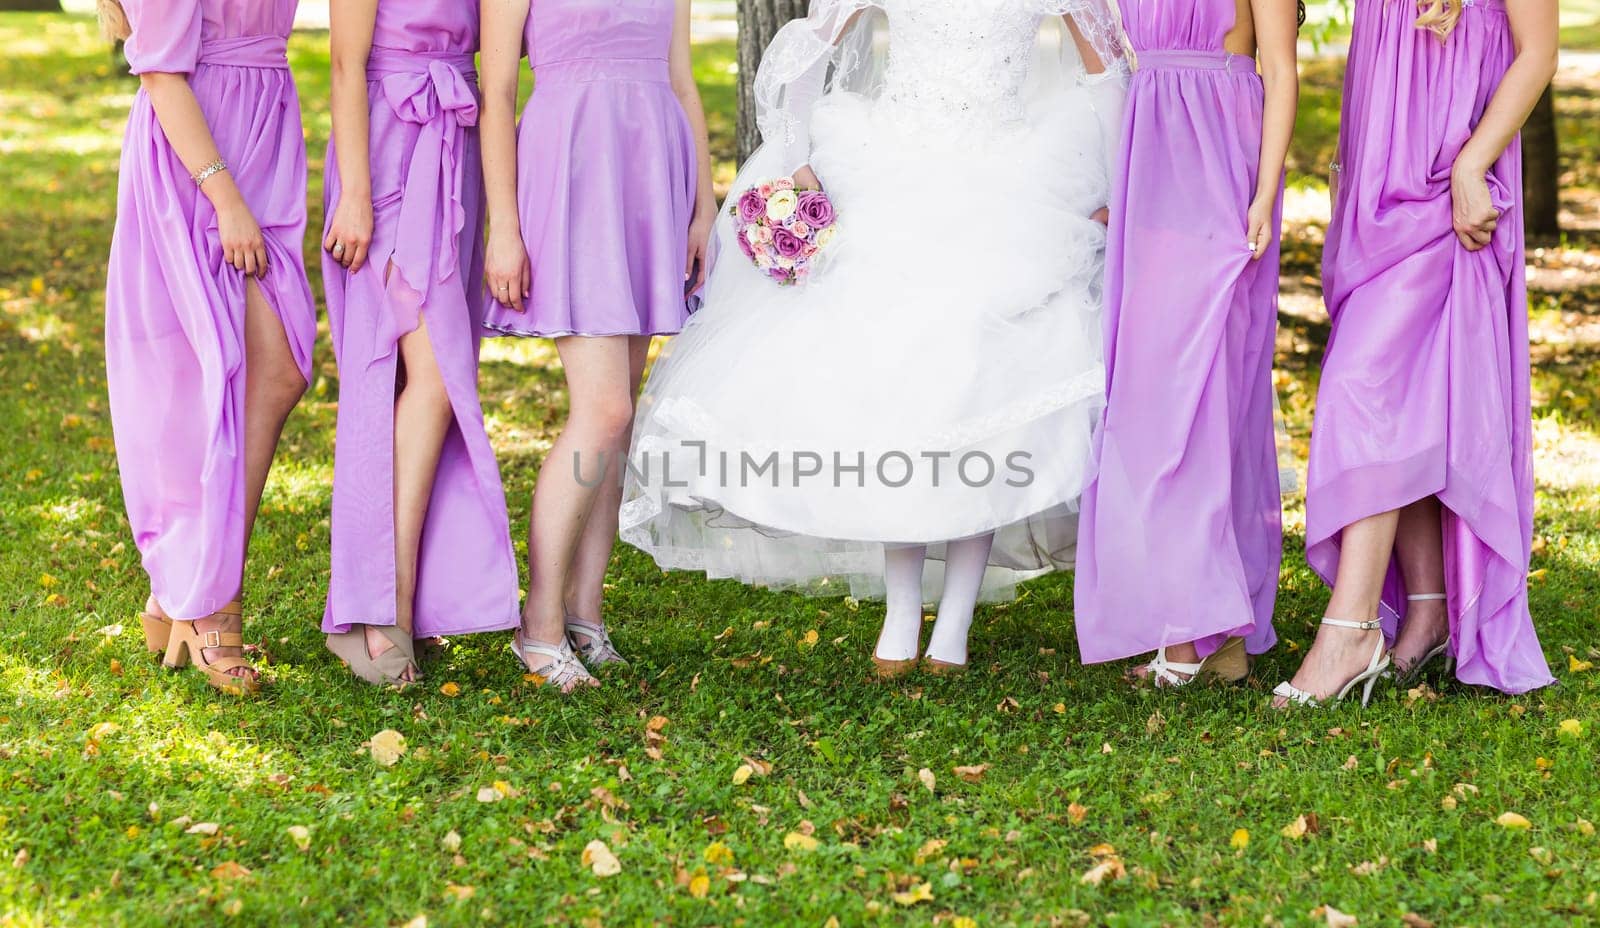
point(964, 564)
point(902, 625)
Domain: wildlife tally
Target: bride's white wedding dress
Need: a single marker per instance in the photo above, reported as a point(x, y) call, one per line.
point(940, 376)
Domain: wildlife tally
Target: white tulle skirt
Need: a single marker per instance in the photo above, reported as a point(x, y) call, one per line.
point(940, 377)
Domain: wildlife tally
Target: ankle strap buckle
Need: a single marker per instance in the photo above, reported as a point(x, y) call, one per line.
point(211, 639)
point(1360, 626)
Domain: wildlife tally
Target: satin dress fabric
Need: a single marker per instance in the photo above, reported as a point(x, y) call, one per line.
point(1181, 537)
point(425, 265)
point(1425, 383)
point(175, 311)
point(606, 174)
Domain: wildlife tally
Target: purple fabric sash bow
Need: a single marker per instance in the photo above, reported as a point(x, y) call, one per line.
point(437, 91)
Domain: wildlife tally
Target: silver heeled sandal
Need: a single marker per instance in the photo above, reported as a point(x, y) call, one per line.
point(599, 649)
point(1405, 676)
point(1228, 663)
point(1366, 679)
point(563, 671)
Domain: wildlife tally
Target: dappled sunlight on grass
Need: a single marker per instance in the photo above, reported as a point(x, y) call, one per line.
point(108, 763)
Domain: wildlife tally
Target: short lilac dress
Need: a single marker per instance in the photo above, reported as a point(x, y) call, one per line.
point(425, 263)
point(606, 173)
point(1181, 535)
point(1425, 384)
point(175, 351)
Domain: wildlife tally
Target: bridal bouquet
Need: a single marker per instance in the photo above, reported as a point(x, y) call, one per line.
point(782, 229)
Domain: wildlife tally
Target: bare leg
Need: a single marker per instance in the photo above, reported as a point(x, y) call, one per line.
point(965, 562)
point(599, 384)
point(422, 418)
point(1419, 546)
point(1338, 654)
point(273, 386)
point(901, 637)
point(586, 580)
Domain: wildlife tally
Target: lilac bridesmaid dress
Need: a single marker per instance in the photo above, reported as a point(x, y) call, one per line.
point(175, 312)
point(1425, 382)
point(606, 173)
point(1181, 534)
point(425, 262)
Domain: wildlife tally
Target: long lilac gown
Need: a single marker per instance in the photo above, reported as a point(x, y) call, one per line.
point(175, 353)
point(606, 173)
point(425, 263)
point(1181, 535)
point(1425, 381)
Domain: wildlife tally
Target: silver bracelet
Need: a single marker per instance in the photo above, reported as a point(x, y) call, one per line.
point(206, 172)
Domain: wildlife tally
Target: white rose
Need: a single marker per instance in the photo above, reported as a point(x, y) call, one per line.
point(782, 204)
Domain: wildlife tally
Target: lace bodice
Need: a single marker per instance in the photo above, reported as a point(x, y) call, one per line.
point(959, 62)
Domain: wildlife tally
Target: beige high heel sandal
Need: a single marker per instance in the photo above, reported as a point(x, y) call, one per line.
point(388, 668)
point(186, 645)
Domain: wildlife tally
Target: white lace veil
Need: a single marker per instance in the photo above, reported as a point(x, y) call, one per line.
point(841, 46)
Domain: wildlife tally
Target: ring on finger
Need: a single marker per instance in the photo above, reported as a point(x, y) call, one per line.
point(338, 248)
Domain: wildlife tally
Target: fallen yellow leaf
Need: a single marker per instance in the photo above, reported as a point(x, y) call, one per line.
point(718, 853)
point(1240, 839)
point(795, 841)
point(386, 747)
point(1295, 829)
point(973, 773)
point(1572, 728)
point(1576, 666)
point(699, 884)
point(1110, 868)
point(1513, 820)
point(459, 893)
point(926, 776)
point(301, 836)
point(922, 892)
point(742, 774)
point(930, 849)
point(1076, 813)
point(230, 870)
point(451, 689)
point(962, 921)
point(599, 859)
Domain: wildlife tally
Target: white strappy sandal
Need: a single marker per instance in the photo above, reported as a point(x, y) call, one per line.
point(564, 672)
point(599, 649)
point(1366, 679)
point(1404, 677)
point(1228, 663)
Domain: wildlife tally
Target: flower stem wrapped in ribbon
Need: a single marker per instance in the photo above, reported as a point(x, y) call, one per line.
point(782, 228)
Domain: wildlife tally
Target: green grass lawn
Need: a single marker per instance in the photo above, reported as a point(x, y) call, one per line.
point(131, 796)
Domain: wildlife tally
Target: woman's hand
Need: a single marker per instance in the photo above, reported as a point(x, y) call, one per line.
point(1258, 223)
point(350, 234)
point(242, 243)
point(694, 269)
point(506, 270)
point(806, 179)
point(1472, 214)
point(1102, 215)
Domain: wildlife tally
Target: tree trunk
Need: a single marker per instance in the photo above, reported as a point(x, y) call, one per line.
point(1541, 169)
point(37, 6)
point(759, 21)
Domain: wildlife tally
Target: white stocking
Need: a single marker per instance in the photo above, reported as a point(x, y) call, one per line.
point(902, 579)
point(964, 564)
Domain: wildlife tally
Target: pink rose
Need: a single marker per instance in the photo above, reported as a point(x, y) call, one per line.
point(801, 229)
point(765, 190)
point(783, 183)
point(762, 234)
point(786, 244)
point(816, 210)
point(752, 206)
